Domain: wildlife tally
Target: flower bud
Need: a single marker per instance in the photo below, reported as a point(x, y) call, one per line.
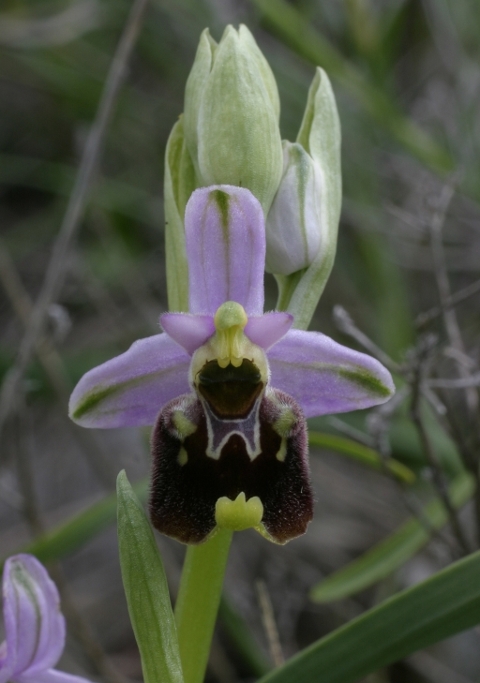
point(315, 187)
point(294, 222)
point(231, 116)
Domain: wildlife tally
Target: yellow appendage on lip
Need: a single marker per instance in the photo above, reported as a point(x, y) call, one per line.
point(230, 320)
point(238, 514)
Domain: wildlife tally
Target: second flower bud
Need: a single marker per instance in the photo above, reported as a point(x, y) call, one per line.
point(294, 220)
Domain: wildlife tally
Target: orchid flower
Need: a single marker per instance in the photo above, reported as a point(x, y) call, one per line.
point(34, 625)
point(228, 387)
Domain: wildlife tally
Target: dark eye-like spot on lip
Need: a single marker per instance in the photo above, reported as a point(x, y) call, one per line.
point(230, 392)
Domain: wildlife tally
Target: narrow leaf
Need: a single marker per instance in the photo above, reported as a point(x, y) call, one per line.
point(392, 553)
point(445, 604)
point(364, 454)
point(146, 590)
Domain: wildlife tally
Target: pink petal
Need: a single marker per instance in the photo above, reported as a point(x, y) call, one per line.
point(225, 237)
point(190, 331)
point(266, 330)
point(325, 377)
point(130, 390)
point(7, 662)
point(34, 625)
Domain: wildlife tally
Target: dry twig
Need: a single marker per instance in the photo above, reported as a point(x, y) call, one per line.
point(451, 301)
point(269, 623)
point(449, 315)
point(346, 325)
point(54, 368)
point(58, 264)
point(454, 335)
point(429, 451)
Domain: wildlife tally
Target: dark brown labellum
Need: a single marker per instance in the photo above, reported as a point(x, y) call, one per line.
point(187, 482)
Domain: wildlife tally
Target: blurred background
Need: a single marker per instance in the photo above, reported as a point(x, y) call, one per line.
point(407, 79)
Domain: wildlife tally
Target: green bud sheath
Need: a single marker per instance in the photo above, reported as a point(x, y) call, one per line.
point(179, 184)
point(232, 116)
point(263, 67)
point(320, 135)
point(194, 92)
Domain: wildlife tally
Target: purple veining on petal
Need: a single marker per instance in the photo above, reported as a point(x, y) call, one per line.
point(225, 238)
point(34, 625)
point(266, 330)
point(131, 389)
point(326, 377)
point(190, 331)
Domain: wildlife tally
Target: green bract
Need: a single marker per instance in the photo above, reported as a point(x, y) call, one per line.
point(179, 184)
point(320, 136)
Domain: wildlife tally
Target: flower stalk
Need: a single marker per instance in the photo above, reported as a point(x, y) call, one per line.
point(198, 601)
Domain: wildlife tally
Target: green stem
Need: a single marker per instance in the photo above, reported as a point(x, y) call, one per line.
point(286, 288)
point(198, 601)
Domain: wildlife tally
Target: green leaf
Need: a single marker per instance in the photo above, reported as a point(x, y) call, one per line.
point(364, 454)
point(392, 553)
point(79, 529)
point(433, 610)
point(146, 590)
